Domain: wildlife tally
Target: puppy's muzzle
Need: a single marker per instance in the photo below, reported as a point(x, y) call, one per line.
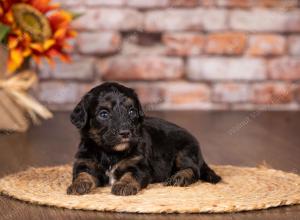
point(124, 134)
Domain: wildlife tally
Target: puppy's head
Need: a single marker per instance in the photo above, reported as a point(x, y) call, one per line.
point(110, 115)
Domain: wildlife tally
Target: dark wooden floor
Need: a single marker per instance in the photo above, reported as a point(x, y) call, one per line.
point(237, 138)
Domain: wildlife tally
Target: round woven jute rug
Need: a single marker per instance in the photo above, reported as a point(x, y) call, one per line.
point(241, 189)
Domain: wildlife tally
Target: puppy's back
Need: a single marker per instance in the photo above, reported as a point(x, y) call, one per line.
point(168, 133)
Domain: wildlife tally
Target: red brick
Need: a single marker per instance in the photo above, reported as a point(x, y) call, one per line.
point(260, 108)
point(234, 3)
point(173, 20)
point(264, 3)
point(214, 19)
point(98, 42)
point(272, 93)
point(265, 20)
point(141, 68)
point(225, 43)
point(105, 2)
point(129, 48)
point(62, 95)
point(266, 44)
point(148, 93)
point(231, 92)
point(185, 19)
point(180, 93)
point(277, 3)
point(81, 68)
point(147, 3)
point(109, 19)
point(183, 44)
point(183, 3)
point(294, 45)
point(293, 21)
point(208, 3)
point(55, 92)
point(206, 106)
point(285, 68)
point(219, 68)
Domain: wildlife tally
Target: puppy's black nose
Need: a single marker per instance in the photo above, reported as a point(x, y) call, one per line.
point(124, 133)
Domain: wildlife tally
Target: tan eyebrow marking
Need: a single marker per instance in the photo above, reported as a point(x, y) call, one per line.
point(106, 105)
point(128, 101)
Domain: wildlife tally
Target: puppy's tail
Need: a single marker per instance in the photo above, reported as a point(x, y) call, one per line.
point(208, 175)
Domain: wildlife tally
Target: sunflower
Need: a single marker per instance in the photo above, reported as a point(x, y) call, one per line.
point(37, 29)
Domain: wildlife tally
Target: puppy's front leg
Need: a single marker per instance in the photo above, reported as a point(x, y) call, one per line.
point(132, 175)
point(85, 177)
point(127, 185)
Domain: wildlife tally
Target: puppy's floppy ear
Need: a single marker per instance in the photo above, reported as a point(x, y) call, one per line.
point(79, 116)
point(139, 106)
point(140, 109)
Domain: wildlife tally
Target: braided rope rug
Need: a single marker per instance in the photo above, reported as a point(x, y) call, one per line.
point(241, 189)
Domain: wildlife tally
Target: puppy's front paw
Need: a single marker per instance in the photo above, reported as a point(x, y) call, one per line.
point(124, 189)
point(83, 184)
point(79, 188)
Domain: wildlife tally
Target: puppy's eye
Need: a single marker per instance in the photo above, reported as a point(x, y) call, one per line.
point(104, 114)
point(132, 112)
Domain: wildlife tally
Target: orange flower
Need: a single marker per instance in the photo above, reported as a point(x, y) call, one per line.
point(38, 29)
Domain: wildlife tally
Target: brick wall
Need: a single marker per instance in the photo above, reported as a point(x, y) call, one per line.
point(184, 54)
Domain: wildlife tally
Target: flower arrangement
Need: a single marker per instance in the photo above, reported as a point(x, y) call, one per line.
point(34, 28)
point(28, 29)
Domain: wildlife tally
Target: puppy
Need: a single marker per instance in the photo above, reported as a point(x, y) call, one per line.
point(123, 147)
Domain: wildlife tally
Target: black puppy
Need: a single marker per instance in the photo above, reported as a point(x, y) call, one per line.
point(122, 147)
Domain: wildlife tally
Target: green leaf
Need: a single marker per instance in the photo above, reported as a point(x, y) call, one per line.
point(4, 30)
point(75, 15)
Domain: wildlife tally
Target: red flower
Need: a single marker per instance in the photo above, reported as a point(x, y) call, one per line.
point(43, 35)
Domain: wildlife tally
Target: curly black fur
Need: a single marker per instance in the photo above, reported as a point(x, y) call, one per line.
point(121, 146)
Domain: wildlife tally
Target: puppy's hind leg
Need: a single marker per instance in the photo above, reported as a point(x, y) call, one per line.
point(182, 177)
point(187, 171)
point(208, 175)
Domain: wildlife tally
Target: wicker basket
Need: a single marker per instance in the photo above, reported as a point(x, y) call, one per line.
point(17, 108)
